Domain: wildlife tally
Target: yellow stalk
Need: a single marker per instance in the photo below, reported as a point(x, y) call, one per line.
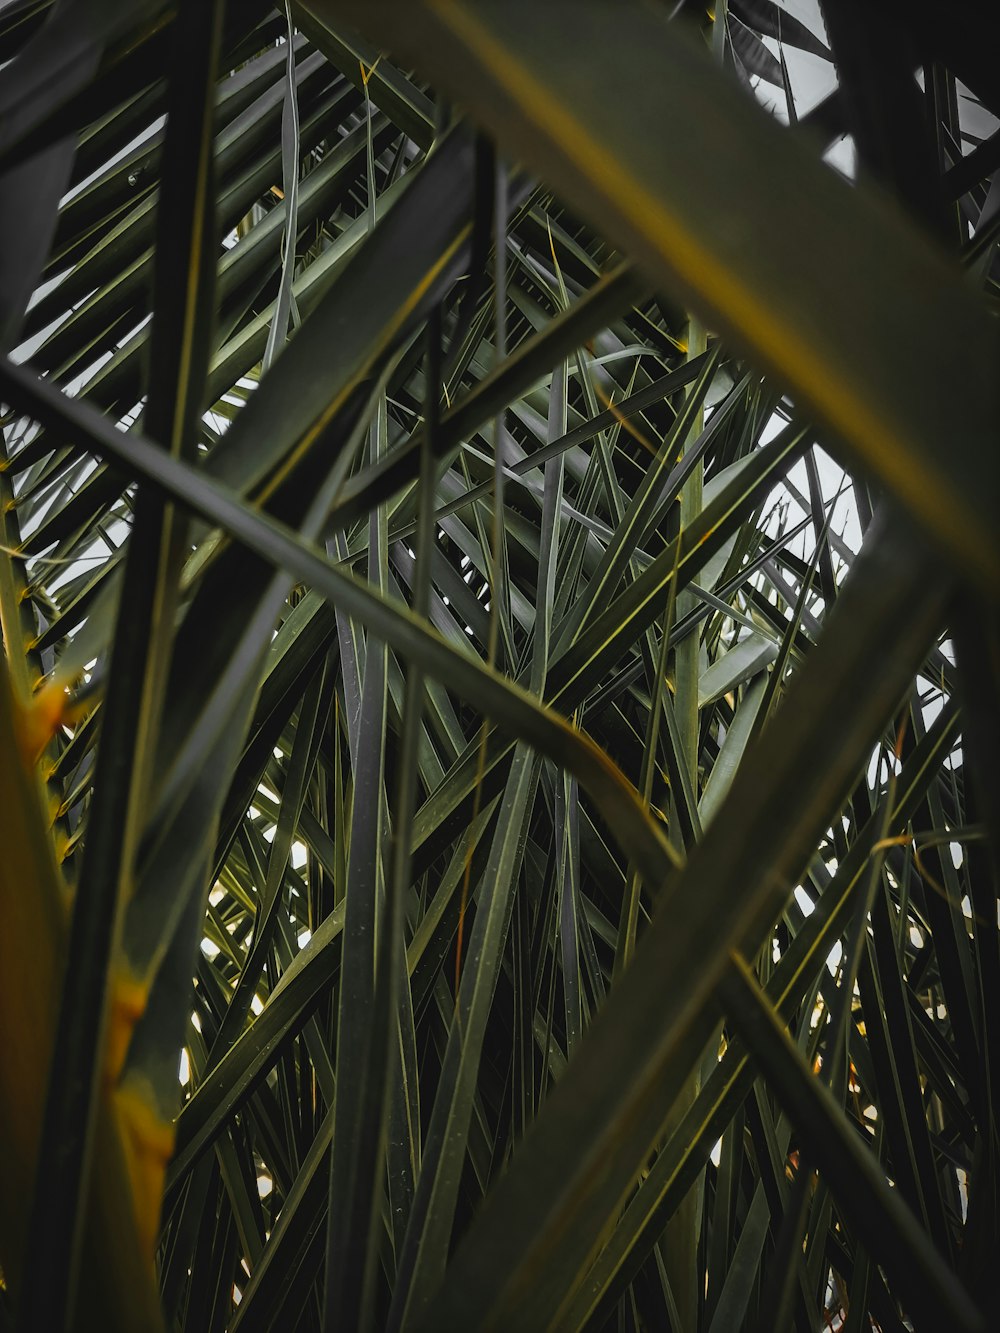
point(116, 1281)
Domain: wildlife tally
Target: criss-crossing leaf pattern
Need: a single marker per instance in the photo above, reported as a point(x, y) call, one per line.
point(498, 711)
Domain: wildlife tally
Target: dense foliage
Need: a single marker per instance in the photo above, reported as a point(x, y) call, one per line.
point(499, 701)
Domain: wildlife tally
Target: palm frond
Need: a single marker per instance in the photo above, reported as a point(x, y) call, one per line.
point(498, 707)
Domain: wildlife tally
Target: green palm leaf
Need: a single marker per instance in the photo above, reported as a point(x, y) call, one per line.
point(498, 705)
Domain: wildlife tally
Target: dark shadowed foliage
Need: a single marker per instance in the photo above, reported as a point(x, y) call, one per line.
point(498, 710)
